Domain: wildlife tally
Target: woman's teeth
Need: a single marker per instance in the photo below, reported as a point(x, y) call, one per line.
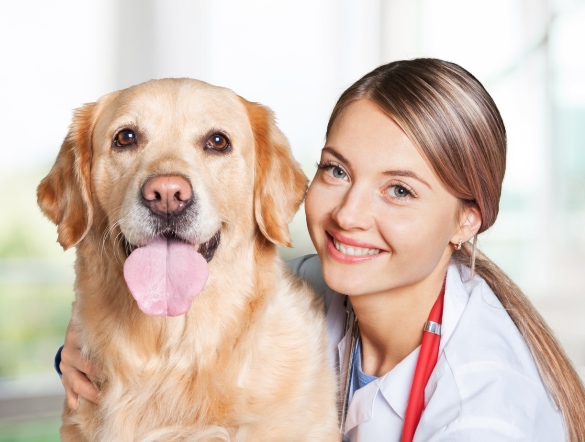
point(354, 251)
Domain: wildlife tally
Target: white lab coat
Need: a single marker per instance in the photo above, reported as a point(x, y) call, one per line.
point(485, 386)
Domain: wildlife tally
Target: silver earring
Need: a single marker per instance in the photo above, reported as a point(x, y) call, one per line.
point(458, 246)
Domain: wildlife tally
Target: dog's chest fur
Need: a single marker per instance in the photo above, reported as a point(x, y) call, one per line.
point(211, 373)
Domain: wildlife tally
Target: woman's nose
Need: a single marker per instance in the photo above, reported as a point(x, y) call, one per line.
point(354, 210)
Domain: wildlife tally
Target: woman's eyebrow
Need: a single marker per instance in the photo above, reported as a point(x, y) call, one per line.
point(336, 155)
point(407, 173)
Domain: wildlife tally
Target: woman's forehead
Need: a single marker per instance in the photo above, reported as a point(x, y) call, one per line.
point(365, 132)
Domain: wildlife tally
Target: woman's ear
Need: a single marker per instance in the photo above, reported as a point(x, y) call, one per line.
point(469, 224)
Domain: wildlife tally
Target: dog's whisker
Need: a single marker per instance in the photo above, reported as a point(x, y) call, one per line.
point(108, 230)
point(105, 236)
point(119, 239)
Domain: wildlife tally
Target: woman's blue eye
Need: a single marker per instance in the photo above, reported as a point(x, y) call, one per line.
point(399, 191)
point(337, 172)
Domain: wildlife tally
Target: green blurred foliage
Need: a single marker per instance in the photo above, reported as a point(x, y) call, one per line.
point(17, 243)
point(39, 430)
point(24, 231)
point(36, 280)
point(33, 319)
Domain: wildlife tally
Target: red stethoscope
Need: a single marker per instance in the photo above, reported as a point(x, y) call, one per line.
point(427, 360)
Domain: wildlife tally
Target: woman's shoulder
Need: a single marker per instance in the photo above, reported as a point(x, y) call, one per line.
point(487, 369)
point(481, 330)
point(308, 267)
point(484, 327)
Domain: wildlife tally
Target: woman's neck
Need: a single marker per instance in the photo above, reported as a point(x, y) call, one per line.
point(391, 323)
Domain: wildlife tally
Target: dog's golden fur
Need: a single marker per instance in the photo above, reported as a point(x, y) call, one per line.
point(247, 362)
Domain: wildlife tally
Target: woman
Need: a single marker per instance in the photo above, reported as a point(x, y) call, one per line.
point(410, 173)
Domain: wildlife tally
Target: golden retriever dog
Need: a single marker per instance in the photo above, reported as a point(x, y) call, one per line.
point(175, 194)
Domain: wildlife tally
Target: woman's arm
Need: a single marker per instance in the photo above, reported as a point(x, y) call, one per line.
point(75, 368)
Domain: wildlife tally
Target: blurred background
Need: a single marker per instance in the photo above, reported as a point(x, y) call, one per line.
point(296, 56)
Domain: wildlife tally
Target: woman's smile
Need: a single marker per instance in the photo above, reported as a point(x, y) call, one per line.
point(349, 250)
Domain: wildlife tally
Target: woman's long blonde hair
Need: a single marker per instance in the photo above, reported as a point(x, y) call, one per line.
point(455, 124)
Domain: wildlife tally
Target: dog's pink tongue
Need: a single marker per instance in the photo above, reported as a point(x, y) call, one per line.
point(164, 276)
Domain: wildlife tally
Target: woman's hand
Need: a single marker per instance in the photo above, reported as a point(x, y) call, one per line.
point(76, 369)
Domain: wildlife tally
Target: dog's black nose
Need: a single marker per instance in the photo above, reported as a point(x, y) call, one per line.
point(167, 195)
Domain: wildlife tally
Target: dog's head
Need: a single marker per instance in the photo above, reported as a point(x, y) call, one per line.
point(173, 158)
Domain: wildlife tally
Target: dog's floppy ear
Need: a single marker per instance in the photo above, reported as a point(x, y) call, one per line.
point(280, 183)
point(64, 195)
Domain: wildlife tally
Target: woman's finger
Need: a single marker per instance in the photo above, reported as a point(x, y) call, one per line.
point(78, 385)
point(76, 369)
point(71, 356)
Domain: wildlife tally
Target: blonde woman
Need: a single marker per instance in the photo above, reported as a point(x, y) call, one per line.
point(432, 340)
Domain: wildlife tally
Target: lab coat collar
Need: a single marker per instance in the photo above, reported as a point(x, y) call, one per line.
point(456, 296)
point(395, 385)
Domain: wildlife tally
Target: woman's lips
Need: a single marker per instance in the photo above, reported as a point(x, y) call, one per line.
point(348, 250)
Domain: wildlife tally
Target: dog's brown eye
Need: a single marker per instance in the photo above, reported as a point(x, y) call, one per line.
point(217, 142)
point(125, 138)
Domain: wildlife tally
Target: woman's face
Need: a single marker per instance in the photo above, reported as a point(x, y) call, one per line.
point(378, 216)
